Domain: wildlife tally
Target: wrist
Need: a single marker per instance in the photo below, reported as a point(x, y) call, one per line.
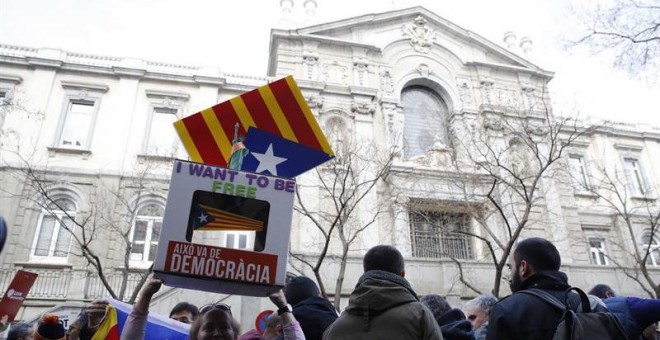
point(284, 309)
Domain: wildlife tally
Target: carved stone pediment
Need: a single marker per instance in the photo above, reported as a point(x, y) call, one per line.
point(421, 35)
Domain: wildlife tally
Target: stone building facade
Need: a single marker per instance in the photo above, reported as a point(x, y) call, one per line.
point(97, 132)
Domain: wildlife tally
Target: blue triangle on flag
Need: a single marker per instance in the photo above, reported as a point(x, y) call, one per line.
point(276, 156)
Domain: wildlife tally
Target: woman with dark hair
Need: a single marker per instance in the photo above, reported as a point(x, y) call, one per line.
point(215, 322)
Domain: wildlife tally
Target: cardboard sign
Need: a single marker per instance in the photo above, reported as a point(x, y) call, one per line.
point(209, 207)
point(16, 293)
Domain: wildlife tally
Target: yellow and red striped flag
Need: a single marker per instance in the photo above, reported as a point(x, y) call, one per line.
point(278, 108)
point(108, 330)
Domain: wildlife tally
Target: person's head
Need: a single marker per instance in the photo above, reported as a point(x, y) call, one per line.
point(530, 256)
point(300, 288)
point(50, 328)
point(602, 291)
point(273, 327)
point(214, 323)
point(386, 258)
point(478, 309)
point(184, 312)
point(436, 303)
point(21, 331)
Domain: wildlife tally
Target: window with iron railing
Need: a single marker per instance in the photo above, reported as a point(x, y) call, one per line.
point(440, 235)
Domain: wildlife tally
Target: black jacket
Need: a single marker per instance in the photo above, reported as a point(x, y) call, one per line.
point(314, 314)
point(523, 316)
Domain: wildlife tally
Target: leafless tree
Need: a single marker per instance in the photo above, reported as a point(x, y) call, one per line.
point(636, 212)
point(109, 217)
point(503, 170)
point(627, 30)
point(344, 186)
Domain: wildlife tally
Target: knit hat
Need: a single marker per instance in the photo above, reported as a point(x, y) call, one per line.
point(50, 328)
point(437, 304)
point(300, 288)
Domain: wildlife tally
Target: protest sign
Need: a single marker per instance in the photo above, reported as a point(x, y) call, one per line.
point(206, 205)
point(16, 292)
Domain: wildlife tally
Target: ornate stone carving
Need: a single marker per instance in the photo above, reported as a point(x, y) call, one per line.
point(386, 82)
point(360, 72)
point(537, 130)
point(310, 65)
point(336, 73)
point(424, 70)
point(529, 99)
point(363, 108)
point(487, 90)
point(464, 91)
point(83, 94)
point(314, 101)
point(493, 123)
point(421, 35)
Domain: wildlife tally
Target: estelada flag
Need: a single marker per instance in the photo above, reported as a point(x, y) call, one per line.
point(278, 108)
point(109, 328)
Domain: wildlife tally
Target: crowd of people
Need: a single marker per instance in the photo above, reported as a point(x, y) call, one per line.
point(384, 305)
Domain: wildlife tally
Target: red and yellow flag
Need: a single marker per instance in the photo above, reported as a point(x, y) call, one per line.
point(108, 330)
point(278, 108)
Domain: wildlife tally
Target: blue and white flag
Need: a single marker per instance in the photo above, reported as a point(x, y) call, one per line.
point(159, 327)
point(276, 156)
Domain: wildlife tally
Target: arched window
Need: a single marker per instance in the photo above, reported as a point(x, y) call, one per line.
point(336, 131)
point(147, 224)
point(652, 245)
point(425, 120)
point(55, 225)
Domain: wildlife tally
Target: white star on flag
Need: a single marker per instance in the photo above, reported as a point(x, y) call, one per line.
point(202, 218)
point(268, 161)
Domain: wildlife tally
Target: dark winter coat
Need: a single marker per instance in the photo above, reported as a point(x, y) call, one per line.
point(384, 306)
point(315, 315)
point(526, 317)
point(635, 314)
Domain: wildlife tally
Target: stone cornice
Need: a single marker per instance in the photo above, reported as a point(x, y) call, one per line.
point(121, 67)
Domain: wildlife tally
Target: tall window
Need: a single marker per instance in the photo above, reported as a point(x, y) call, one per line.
point(597, 251)
point(578, 172)
point(3, 97)
point(147, 224)
point(162, 139)
point(437, 235)
point(336, 132)
point(55, 225)
point(634, 177)
point(652, 246)
point(77, 125)
point(425, 120)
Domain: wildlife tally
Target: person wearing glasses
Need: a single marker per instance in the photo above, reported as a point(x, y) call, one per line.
point(215, 322)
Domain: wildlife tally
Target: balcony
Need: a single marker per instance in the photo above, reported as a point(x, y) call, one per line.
point(66, 283)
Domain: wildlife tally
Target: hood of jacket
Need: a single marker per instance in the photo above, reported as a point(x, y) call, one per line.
point(379, 291)
point(546, 279)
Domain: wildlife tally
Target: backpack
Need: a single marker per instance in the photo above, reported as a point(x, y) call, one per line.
point(585, 324)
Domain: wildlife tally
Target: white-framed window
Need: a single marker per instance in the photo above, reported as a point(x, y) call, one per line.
point(425, 120)
point(238, 240)
point(55, 226)
point(76, 126)
point(147, 224)
point(161, 138)
point(634, 176)
point(80, 108)
point(597, 251)
point(651, 245)
point(579, 172)
point(438, 235)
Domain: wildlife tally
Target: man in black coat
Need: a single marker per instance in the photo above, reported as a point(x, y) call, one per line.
point(534, 263)
point(313, 312)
